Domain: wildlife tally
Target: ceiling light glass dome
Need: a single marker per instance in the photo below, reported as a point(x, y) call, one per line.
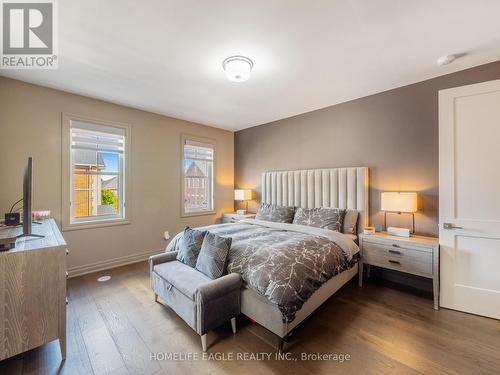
point(237, 68)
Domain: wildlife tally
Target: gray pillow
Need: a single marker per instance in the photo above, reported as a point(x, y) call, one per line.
point(190, 246)
point(212, 260)
point(351, 222)
point(278, 214)
point(326, 218)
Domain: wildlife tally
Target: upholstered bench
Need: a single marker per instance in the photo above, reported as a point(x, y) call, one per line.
point(201, 302)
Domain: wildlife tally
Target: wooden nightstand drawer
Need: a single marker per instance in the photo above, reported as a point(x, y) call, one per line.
point(397, 251)
point(380, 256)
point(392, 243)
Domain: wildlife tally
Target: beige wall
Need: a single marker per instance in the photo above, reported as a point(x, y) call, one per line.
point(395, 133)
point(30, 125)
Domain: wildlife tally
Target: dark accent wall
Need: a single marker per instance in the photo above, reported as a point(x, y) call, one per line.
point(395, 133)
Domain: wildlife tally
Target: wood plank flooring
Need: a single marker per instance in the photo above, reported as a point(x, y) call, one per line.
point(114, 327)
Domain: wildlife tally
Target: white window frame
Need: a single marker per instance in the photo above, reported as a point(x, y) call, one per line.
point(208, 141)
point(67, 176)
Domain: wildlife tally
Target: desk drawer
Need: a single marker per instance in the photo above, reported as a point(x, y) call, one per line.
point(398, 258)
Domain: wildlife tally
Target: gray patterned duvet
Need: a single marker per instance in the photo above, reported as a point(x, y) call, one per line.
point(286, 263)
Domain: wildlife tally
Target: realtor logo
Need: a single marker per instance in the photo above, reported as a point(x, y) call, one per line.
point(28, 35)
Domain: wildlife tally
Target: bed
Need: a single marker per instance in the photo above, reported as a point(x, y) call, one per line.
point(265, 297)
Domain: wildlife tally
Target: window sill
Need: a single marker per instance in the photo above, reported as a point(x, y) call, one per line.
point(94, 224)
point(199, 213)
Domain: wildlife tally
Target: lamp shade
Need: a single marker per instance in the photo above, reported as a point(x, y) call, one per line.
point(398, 202)
point(242, 194)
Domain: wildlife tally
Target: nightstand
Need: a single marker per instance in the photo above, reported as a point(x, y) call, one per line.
point(233, 217)
point(416, 255)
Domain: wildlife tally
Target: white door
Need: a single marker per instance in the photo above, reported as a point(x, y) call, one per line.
point(469, 198)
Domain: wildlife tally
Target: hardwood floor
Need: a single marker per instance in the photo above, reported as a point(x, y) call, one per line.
point(114, 327)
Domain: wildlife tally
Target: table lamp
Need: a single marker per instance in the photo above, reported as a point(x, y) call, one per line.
point(399, 202)
point(243, 195)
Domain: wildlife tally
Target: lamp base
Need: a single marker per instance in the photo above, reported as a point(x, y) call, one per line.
point(241, 212)
point(400, 232)
point(399, 213)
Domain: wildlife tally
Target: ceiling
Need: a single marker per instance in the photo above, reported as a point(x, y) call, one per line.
point(165, 56)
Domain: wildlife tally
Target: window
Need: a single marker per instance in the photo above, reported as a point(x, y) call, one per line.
point(95, 164)
point(197, 173)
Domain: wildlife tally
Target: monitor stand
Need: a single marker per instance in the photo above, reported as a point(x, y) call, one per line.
point(30, 235)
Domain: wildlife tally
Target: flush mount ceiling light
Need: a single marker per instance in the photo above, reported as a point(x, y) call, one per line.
point(237, 68)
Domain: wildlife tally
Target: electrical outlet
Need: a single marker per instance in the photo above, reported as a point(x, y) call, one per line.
point(166, 235)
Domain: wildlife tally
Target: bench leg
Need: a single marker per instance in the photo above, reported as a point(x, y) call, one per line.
point(233, 324)
point(204, 342)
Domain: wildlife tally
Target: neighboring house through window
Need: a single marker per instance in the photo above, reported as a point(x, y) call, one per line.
point(97, 155)
point(198, 172)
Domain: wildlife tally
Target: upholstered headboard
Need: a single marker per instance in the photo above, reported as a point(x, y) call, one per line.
point(311, 188)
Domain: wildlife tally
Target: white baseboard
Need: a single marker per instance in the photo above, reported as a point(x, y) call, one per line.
point(111, 263)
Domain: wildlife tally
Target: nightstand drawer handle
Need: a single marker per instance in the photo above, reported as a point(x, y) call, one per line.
point(393, 261)
point(395, 252)
point(395, 245)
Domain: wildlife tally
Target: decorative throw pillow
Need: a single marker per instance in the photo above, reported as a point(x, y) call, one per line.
point(212, 260)
point(351, 222)
point(190, 246)
point(279, 214)
point(326, 218)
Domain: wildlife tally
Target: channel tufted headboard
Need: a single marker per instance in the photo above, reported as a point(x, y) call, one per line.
point(311, 188)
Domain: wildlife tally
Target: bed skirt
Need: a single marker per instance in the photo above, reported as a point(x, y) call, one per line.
point(268, 315)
